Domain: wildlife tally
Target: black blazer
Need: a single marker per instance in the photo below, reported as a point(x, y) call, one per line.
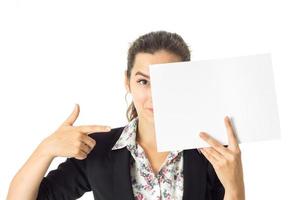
point(106, 173)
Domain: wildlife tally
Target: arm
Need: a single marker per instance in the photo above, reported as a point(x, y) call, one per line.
point(31, 172)
point(69, 179)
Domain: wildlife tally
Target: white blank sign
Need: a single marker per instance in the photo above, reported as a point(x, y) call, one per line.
point(195, 96)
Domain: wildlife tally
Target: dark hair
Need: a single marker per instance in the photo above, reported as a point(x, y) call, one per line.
point(151, 43)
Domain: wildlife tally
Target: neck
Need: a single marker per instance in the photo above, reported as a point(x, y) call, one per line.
point(146, 134)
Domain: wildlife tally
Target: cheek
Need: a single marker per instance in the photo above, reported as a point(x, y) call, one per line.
point(139, 97)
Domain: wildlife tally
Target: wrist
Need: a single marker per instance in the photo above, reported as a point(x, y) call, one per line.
point(44, 150)
point(236, 194)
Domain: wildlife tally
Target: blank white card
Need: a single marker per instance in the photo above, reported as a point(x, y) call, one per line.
point(195, 96)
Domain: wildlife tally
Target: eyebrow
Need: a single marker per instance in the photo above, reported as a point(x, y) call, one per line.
point(140, 73)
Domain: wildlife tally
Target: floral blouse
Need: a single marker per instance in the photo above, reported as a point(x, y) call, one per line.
point(167, 184)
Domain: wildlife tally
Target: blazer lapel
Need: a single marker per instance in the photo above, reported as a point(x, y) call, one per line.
point(122, 189)
point(194, 172)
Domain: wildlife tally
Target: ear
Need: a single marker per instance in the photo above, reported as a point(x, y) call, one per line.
point(126, 82)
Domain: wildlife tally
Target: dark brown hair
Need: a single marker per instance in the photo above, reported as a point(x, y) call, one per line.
point(151, 43)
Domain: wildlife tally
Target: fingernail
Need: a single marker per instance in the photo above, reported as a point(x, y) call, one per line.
point(202, 134)
point(108, 128)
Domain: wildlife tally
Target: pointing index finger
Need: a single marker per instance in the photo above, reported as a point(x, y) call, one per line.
point(93, 128)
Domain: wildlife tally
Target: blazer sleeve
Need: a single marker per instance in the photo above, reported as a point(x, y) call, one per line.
point(216, 188)
point(68, 181)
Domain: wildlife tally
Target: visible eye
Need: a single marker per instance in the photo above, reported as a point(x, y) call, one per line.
point(142, 80)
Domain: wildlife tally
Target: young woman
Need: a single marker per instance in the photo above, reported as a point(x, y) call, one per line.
point(123, 163)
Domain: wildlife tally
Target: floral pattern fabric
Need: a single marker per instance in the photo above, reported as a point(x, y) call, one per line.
point(167, 184)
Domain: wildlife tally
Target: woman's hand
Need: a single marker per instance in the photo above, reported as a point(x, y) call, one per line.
point(226, 162)
point(71, 141)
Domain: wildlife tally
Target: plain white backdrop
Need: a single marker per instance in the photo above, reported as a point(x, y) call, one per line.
point(55, 53)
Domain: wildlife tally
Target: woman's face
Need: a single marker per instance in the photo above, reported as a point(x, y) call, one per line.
point(139, 84)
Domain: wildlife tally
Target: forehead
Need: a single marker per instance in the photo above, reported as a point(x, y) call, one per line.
point(143, 60)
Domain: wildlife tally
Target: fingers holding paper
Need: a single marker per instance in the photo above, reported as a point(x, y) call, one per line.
point(225, 160)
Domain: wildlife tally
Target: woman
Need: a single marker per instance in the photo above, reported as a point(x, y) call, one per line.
point(123, 163)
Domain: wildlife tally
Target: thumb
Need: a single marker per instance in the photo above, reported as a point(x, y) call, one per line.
point(72, 118)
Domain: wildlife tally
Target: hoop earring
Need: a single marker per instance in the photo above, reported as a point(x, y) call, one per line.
point(130, 96)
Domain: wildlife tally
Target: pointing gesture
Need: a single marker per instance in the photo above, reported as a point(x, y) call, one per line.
point(72, 141)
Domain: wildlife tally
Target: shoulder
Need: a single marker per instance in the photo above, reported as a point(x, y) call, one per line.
point(105, 140)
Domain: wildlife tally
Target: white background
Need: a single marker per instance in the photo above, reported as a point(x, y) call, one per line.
point(56, 53)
